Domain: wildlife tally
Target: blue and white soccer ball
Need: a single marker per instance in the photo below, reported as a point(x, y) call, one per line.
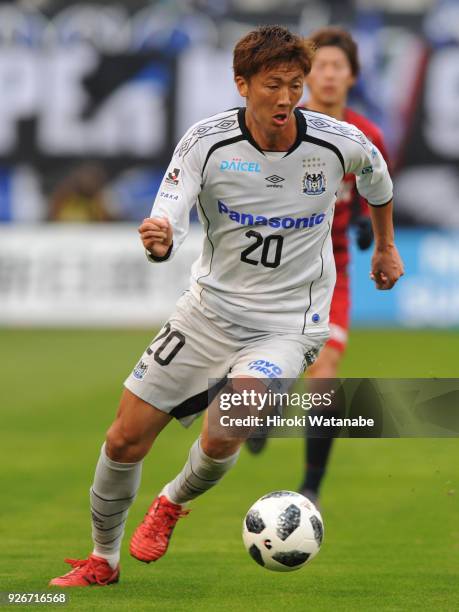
point(283, 531)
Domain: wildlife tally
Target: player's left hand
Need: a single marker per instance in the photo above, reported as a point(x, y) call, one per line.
point(386, 267)
point(364, 235)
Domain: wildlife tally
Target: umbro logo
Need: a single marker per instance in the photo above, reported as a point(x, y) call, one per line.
point(274, 180)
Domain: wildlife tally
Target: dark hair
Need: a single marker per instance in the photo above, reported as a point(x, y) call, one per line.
point(268, 46)
point(334, 36)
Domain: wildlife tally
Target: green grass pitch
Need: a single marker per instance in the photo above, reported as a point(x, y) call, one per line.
point(391, 507)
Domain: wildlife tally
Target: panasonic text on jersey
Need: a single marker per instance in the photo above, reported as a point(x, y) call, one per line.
point(284, 222)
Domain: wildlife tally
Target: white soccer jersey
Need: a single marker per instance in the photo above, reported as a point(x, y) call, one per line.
point(267, 259)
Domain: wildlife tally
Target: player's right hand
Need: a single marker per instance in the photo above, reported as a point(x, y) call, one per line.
point(386, 267)
point(156, 235)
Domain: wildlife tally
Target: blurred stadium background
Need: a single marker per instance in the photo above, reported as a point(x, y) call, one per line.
point(94, 96)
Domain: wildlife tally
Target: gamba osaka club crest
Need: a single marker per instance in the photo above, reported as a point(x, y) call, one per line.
point(314, 183)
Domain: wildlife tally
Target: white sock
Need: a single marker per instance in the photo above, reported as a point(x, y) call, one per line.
point(113, 560)
point(112, 493)
point(199, 474)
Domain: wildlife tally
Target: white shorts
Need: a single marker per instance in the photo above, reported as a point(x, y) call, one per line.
point(195, 348)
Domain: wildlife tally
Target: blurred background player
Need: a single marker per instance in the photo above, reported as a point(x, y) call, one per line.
point(80, 196)
point(335, 70)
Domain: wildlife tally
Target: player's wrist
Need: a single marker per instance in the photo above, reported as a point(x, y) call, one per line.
point(384, 245)
point(156, 257)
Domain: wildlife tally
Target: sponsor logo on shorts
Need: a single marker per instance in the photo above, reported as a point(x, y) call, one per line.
point(268, 368)
point(309, 357)
point(284, 222)
point(140, 370)
point(367, 170)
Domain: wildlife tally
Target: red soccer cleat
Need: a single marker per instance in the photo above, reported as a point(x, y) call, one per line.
point(151, 538)
point(87, 572)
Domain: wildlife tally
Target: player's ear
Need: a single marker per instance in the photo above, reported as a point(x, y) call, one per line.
point(242, 85)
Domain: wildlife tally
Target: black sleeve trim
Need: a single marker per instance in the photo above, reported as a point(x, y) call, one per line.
point(380, 205)
point(163, 258)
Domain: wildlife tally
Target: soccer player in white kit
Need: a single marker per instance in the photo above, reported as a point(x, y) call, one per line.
point(264, 179)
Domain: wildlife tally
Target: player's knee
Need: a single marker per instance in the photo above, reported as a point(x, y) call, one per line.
point(125, 445)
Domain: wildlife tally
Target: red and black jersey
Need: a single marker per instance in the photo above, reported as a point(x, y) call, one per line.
point(347, 193)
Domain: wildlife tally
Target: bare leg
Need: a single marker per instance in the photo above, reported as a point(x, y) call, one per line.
point(327, 363)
